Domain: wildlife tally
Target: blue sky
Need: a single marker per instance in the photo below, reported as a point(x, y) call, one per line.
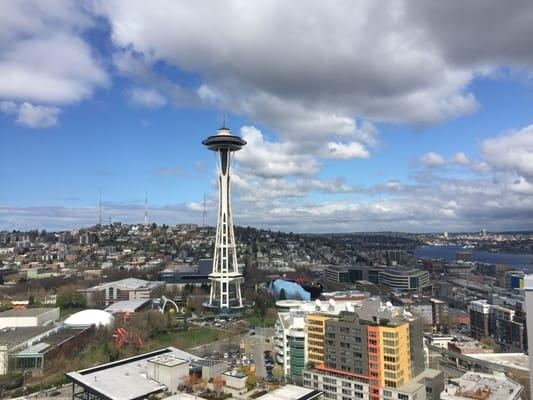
point(359, 118)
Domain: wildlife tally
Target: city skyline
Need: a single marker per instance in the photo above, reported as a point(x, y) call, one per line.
point(413, 118)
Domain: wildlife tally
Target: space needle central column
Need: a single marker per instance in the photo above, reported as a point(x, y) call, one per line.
point(225, 279)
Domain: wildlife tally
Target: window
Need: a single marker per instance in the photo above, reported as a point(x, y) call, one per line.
point(330, 388)
point(387, 393)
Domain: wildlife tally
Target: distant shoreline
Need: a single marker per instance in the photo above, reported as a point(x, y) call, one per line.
point(478, 255)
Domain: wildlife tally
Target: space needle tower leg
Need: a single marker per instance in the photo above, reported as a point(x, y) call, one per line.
point(225, 294)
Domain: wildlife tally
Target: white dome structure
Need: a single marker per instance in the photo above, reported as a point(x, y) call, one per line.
point(85, 318)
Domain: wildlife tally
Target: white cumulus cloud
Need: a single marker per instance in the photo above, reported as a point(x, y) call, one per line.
point(432, 159)
point(45, 62)
point(344, 151)
point(32, 116)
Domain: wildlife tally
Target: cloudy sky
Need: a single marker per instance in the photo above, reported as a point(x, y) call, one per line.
point(359, 115)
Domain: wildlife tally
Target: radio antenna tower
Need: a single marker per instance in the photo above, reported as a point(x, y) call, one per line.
point(146, 210)
point(100, 209)
point(204, 212)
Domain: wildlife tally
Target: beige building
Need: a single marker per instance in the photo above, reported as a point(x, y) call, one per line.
point(29, 317)
point(104, 294)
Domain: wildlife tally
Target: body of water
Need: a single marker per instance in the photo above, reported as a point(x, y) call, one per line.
point(518, 261)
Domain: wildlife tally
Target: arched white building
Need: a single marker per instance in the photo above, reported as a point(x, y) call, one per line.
point(86, 318)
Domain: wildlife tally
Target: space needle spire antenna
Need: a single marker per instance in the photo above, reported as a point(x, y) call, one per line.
point(225, 295)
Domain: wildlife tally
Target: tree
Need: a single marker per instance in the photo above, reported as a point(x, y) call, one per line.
point(189, 381)
point(251, 382)
point(278, 372)
point(77, 300)
point(218, 384)
point(490, 342)
point(282, 295)
point(201, 386)
point(64, 297)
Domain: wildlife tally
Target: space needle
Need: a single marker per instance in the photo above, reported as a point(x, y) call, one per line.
point(225, 295)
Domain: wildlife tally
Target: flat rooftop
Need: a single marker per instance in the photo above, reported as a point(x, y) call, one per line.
point(25, 312)
point(124, 306)
point(167, 360)
point(509, 360)
point(127, 284)
point(291, 392)
point(131, 374)
point(483, 386)
point(15, 336)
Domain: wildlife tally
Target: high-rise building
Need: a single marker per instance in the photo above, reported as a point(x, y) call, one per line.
point(225, 295)
point(316, 330)
point(528, 289)
point(289, 331)
point(505, 325)
point(302, 327)
point(375, 352)
point(479, 319)
point(440, 316)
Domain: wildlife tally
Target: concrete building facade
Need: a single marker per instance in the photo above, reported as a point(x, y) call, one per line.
point(104, 294)
point(30, 317)
point(373, 353)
